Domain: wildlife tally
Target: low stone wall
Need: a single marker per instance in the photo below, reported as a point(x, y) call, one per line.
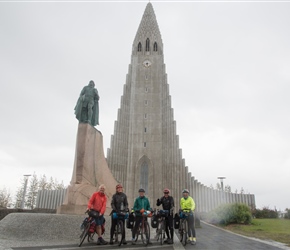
point(39, 229)
point(6, 211)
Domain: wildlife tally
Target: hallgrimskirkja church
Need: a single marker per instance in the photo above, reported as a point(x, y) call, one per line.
point(144, 150)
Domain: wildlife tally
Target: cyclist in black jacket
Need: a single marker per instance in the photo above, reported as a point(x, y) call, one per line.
point(119, 203)
point(167, 203)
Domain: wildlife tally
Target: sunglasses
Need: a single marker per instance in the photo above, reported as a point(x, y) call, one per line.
point(166, 193)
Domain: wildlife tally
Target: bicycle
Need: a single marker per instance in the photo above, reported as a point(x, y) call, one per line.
point(120, 227)
point(183, 227)
point(86, 228)
point(87, 224)
point(160, 231)
point(144, 229)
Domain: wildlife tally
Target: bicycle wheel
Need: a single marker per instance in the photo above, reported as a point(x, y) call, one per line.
point(180, 230)
point(84, 233)
point(185, 230)
point(162, 232)
point(119, 233)
point(158, 231)
point(145, 233)
point(142, 232)
point(137, 233)
point(91, 236)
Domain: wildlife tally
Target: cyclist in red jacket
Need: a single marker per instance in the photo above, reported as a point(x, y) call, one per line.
point(98, 202)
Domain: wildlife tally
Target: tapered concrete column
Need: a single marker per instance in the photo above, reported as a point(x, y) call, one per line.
point(211, 199)
point(198, 200)
point(203, 198)
point(192, 186)
point(195, 193)
point(206, 192)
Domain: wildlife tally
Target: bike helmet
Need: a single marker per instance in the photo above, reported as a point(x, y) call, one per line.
point(141, 190)
point(119, 186)
point(166, 190)
point(185, 191)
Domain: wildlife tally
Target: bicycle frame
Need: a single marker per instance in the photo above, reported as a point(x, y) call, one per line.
point(120, 227)
point(144, 230)
point(85, 233)
point(161, 214)
point(183, 228)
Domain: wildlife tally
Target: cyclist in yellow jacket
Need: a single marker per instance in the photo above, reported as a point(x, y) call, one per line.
point(187, 203)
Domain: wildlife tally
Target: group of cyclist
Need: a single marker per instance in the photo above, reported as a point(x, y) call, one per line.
point(119, 203)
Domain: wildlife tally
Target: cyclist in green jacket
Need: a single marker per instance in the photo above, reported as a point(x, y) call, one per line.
point(187, 203)
point(141, 203)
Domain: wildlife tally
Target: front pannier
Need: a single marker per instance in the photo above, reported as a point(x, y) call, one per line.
point(130, 221)
point(154, 221)
point(176, 221)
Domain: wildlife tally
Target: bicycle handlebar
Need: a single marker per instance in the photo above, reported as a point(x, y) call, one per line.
point(185, 210)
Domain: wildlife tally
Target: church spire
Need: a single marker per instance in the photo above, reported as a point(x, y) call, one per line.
point(148, 37)
point(145, 149)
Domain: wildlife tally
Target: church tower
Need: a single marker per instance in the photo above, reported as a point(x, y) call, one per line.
point(145, 148)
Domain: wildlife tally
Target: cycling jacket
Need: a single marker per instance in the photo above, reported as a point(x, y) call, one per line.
point(167, 203)
point(117, 200)
point(98, 202)
point(141, 202)
point(187, 204)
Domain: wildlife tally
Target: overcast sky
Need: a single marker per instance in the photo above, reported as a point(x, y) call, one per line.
point(228, 66)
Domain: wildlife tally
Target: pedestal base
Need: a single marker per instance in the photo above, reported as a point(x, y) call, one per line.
point(90, 171)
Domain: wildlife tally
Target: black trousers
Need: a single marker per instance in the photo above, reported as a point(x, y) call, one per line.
point(138, 220)
point(113, 225)
point(169, 225)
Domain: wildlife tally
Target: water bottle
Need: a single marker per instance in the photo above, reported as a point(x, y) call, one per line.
point(122, 206)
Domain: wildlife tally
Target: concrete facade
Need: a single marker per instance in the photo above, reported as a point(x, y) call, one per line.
point(144, 149)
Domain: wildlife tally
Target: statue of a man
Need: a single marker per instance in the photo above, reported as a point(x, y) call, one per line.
point(87, 108)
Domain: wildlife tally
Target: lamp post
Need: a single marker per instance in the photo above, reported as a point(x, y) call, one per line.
point(26, 176)
point(222, 183)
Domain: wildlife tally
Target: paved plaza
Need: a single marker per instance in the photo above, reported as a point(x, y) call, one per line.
point(51, 231)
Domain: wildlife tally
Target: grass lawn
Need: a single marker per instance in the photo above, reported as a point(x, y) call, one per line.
point(265, 229)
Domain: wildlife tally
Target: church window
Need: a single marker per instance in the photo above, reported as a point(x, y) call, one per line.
point(155, 46)
point(144, 176)
point(146, 89)
point(139, 47)
point(145, 116)
point(145, 130)
point(147, 44)
point(144, 144)
point(146, 102)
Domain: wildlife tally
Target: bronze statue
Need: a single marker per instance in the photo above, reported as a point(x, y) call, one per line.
point(87, 108)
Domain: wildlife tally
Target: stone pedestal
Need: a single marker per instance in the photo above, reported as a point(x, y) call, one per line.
point(90, 171)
